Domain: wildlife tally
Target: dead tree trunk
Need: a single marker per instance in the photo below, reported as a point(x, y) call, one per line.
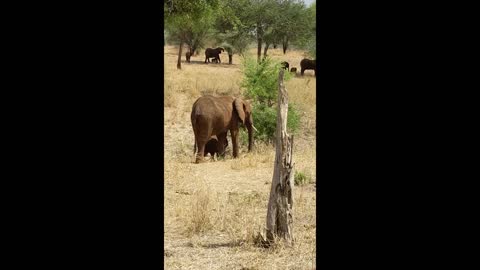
point(280, 204)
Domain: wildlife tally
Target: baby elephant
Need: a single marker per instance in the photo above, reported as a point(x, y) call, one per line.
point(293, 70)
point(212, 148)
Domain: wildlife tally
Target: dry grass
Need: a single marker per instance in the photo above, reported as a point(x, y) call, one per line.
point(214, 210)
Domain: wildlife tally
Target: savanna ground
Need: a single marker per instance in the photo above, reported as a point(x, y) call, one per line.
point(213, 210)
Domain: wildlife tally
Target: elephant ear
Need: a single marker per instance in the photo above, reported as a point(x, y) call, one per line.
point(239, 108)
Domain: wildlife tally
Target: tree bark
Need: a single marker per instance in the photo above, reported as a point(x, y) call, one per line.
point(259, 42)
point(280, 204)
point(259, 49)
point(285, 45)
point(191, 50)
point(230, 56)
point(265, 50)
point(179, 61)
point(194, 48)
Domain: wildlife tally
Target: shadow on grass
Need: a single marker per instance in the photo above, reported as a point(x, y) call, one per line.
point(199, 62)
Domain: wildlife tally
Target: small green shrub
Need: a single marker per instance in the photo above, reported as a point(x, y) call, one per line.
point(293, 118)
point(301, 178)
point(261, 84)
point(261, 80)
point(265, 120)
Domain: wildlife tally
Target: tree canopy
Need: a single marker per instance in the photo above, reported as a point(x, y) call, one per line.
point(235, 24)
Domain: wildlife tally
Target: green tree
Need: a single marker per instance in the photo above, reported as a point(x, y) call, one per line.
point(265, 15)
point(248, 18)
point(233, 26)
point(308, 40)
point(188, 21)
point(283, 22)
point(295, 24)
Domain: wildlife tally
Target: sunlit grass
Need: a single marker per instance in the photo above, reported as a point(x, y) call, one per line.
point(214, 210)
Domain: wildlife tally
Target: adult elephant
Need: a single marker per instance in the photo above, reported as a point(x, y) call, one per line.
point(215, 116)
point(213, 53)
point(308, 64)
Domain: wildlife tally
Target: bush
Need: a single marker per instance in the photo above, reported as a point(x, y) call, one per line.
point(301, 178)
point(261, 80)
point(293, 118)
point(261, 84)
point(265, 120)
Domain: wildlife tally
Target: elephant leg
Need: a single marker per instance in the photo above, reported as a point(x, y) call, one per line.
point(195, 147)
point(201, 151)
point(202, 128)
point(234, 133)
point(301, 72)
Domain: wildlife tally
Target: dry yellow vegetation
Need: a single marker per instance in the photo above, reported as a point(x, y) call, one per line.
point(213, 210)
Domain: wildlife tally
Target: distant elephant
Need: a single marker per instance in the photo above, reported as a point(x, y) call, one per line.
point(188, 55)
point(293, 70)
point(308, 64)
point(285, 65)
point(212, 147)
point(209, 53)
point(216, 116)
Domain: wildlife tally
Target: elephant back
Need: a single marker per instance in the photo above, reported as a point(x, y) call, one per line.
point(307, 63)
point(213, 52)
point(215, 107)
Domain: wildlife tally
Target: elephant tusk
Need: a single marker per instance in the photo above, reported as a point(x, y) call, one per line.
point(255, 128)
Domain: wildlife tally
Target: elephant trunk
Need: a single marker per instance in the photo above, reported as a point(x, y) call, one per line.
point(250, 136)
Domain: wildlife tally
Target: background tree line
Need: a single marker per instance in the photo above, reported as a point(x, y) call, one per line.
point(235, 24)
